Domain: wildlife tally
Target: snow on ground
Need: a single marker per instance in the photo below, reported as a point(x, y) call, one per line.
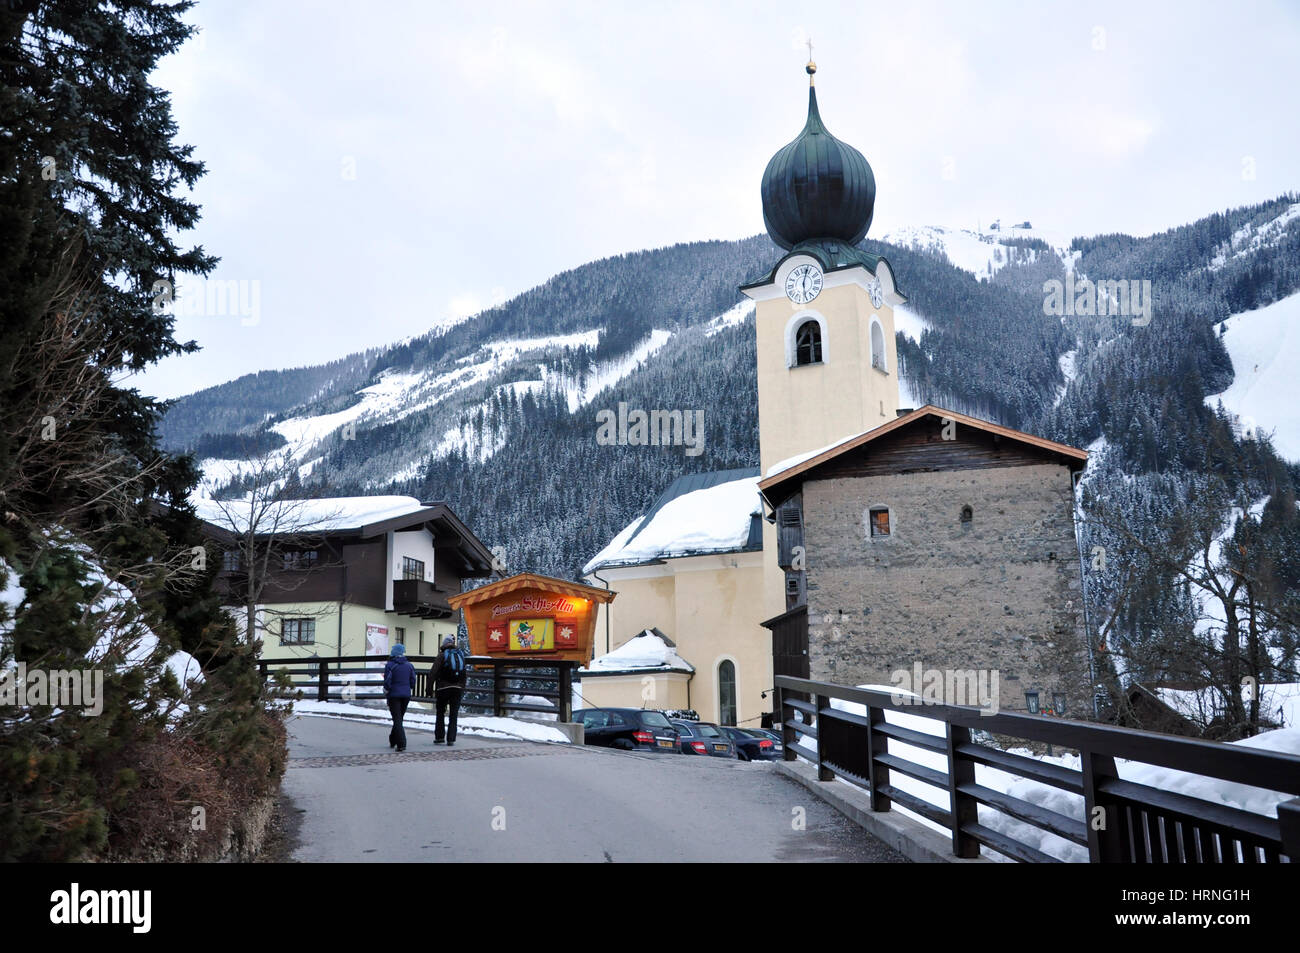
point(736, 315)
point(716, 518)
point(580, 393)
point(643, 650)
point(1247, 240)
point(1211, 622)
point(1069, 370)
point(1278, 704)
point(423, 720)
point(329, 514)
point(396, 395)
point(1265, 349)
point(1243, 797)
point(908, 323)
point(504, 351)
point(983, 255)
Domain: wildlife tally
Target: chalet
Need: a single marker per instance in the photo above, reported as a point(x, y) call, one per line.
point(345, 575)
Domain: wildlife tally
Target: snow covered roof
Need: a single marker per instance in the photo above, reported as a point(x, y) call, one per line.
point(646, 650)
point(332, 514)
point(699, 513)
point(367, 515)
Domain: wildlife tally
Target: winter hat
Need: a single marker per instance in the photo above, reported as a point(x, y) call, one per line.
point(449, 641)
point(399, 650)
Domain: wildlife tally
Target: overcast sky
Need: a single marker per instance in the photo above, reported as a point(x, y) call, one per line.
point(375, 169)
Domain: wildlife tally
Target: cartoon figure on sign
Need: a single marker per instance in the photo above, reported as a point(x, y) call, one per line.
point(532, 635)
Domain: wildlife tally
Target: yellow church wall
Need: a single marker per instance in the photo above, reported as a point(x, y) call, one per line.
point(849, 395)
point(711, 607)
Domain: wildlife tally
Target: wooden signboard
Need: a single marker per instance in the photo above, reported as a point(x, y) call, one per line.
point(531, 616)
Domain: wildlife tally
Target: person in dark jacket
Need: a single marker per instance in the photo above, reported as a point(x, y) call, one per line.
point(448, 689)
point(399, 686)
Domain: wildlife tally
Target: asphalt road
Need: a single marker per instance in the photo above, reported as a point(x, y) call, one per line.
point(354, 800)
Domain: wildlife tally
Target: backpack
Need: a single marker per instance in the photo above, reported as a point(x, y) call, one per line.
point(453, 665)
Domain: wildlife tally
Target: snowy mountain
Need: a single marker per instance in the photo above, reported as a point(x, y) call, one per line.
point(497, 414)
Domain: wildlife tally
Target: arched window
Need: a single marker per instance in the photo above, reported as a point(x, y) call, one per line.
point(726, 692)
point(808, 344)
point(878, 347)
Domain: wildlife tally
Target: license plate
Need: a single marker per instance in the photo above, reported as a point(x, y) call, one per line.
point(719, 747)
point(665, 744)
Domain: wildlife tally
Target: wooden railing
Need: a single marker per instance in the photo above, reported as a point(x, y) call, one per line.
point(488, 687)
point(1120, 821)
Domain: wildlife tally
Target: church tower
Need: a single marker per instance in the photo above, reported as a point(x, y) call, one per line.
point(827, 366)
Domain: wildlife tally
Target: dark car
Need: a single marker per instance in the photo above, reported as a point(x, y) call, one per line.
point(701, 737)
point(630, 729)
point(752, 744)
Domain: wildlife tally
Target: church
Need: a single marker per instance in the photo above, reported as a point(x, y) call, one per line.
point(871, 539)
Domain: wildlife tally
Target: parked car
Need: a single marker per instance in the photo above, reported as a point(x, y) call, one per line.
point(753, 744)
point(702, 737)
point(630, 729)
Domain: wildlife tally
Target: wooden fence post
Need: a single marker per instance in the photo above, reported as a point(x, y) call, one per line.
point(963, 807)
point(323, 683)
point(878, 773)
point(1100, 813)
point(787, 733)
point(566, 691)
point(819, 702)
point(498, 695)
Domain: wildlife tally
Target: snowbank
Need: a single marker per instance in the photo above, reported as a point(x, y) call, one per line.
point(485, 725)
point(1265, 349)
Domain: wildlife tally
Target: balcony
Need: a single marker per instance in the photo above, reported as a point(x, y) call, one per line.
point(416, 597)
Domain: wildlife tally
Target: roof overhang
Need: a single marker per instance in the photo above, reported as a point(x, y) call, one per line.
point(780, 485)
point(528, 580)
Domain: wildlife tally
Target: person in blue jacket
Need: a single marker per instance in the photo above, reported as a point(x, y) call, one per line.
point(399, 686)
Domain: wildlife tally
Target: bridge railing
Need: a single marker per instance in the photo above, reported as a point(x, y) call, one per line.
point(1117, 821)
point(489, 686)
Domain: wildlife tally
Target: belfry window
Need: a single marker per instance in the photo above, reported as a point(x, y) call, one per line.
point(808, 344)
point(878, 347)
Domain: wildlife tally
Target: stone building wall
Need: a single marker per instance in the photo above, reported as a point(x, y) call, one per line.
point(1000, 592)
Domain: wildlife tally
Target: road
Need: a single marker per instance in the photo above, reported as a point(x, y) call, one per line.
point(487, 800)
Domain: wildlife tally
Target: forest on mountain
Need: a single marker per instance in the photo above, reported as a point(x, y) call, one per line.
point(525, 470)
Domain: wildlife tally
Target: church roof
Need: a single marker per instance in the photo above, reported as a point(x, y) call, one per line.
point(780, 483)
point(698, 514)
point(817, 187)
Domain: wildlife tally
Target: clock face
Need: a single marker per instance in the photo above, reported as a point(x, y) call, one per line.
point(877, 293)
point(803, 284)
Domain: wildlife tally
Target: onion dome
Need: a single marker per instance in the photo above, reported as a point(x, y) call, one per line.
point(817, 188)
